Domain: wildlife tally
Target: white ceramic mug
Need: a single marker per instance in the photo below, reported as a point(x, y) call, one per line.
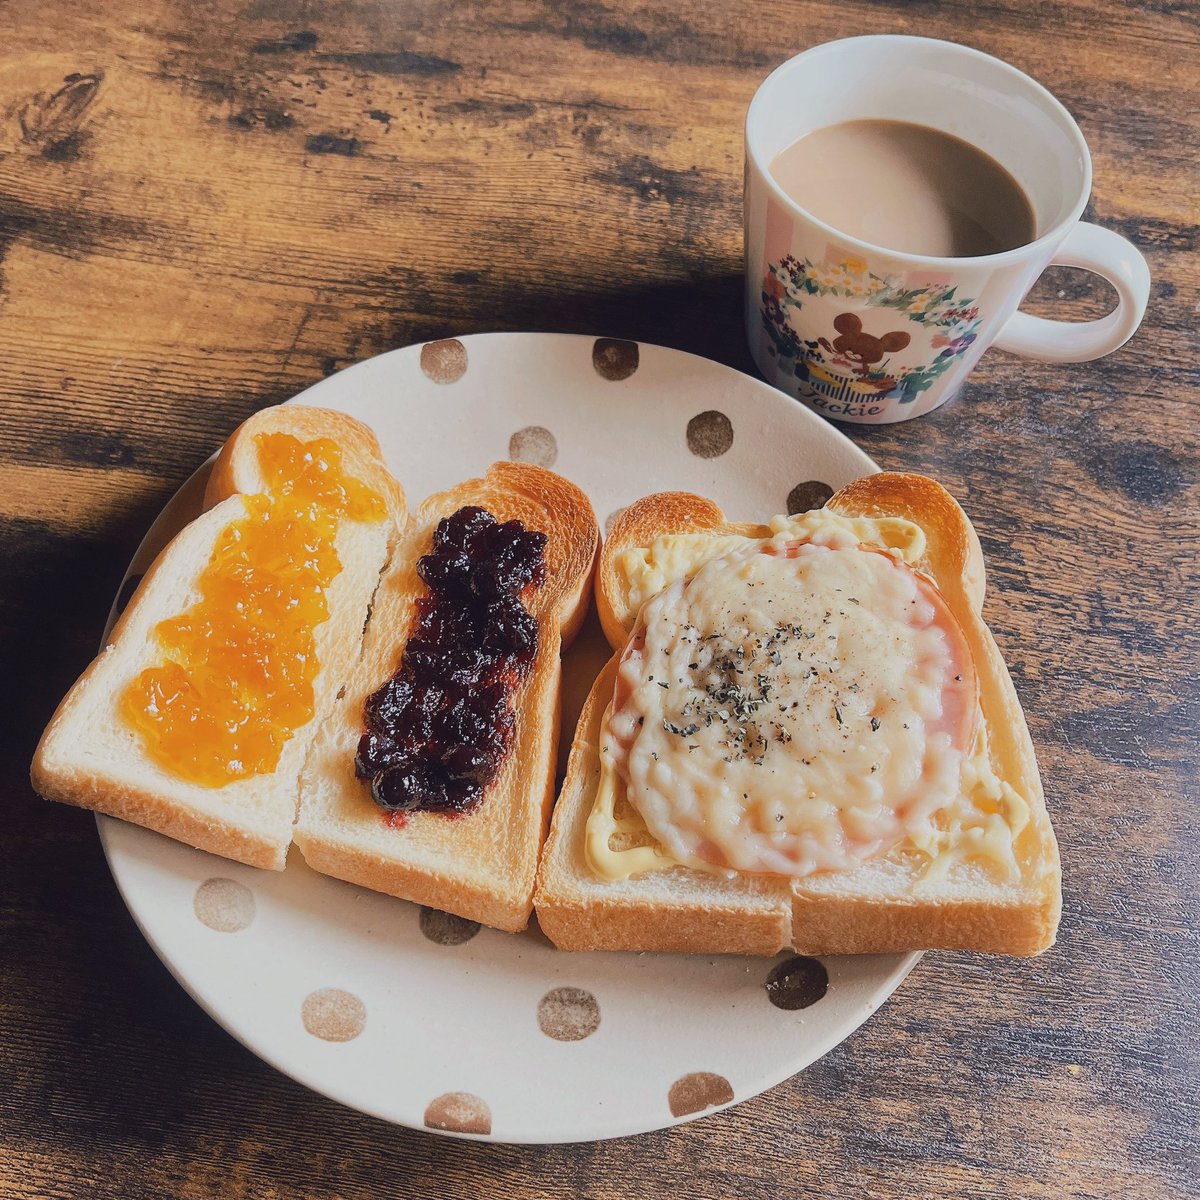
point(802, 275)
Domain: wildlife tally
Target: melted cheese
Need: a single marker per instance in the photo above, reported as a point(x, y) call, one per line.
point(981, 825)
point(785, 709)
point(974, 814)
point(603, 826)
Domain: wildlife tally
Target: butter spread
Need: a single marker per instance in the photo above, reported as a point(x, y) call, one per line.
point(983, 822)
point(638, 851)
point(644, 571)
point(757, 747)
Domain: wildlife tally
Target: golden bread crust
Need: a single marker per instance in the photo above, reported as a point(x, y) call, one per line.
point(236, 468)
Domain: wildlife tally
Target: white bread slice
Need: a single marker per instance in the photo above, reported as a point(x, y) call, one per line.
point(90, 757)
point(880, 906)
point(482, 865)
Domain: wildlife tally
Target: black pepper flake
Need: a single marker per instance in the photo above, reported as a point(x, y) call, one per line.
point(837, 712)
point(874, 724)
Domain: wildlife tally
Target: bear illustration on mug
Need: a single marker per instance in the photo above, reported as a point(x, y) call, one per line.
point(863, 349)
point(889, 339)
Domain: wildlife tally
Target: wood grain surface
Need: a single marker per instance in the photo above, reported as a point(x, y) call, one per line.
point(205, 207)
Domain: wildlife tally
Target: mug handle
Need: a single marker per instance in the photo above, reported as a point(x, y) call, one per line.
point(1106, 254)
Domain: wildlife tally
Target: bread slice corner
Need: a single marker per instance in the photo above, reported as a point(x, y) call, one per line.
point(236, 469)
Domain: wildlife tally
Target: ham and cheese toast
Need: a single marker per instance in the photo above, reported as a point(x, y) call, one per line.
point(808, 738)
point(196, 717)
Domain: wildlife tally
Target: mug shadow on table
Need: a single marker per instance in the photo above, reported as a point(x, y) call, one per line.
point(701, 315)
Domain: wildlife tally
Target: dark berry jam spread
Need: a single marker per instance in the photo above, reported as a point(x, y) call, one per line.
point(437, 732)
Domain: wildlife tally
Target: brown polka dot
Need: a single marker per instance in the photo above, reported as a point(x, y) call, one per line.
point(459, 1112)
point(447, 929)
point(224, 905)
point(444, 361)
point(797, 983)
point(698, 1091)
point(709, 434)
point(614, 358)
point(533, 444)
point(611, 520)
point(568, 1014)
point(333, 1015)
point(810, 494)
point(126, 593)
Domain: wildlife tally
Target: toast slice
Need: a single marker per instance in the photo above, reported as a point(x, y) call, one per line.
point(890, 903)
point(91, 757)
point(481, 865)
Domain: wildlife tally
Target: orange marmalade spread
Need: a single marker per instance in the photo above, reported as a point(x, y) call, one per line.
point(238, 669)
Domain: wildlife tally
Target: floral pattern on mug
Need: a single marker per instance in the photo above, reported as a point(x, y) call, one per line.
point(840, 367)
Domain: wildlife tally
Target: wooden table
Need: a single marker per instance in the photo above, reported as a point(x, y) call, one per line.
point(206, 207)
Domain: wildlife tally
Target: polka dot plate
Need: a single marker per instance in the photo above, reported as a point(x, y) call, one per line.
point(427, 1020)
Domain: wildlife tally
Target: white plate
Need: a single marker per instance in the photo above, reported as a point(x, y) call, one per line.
point(417, 1018)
